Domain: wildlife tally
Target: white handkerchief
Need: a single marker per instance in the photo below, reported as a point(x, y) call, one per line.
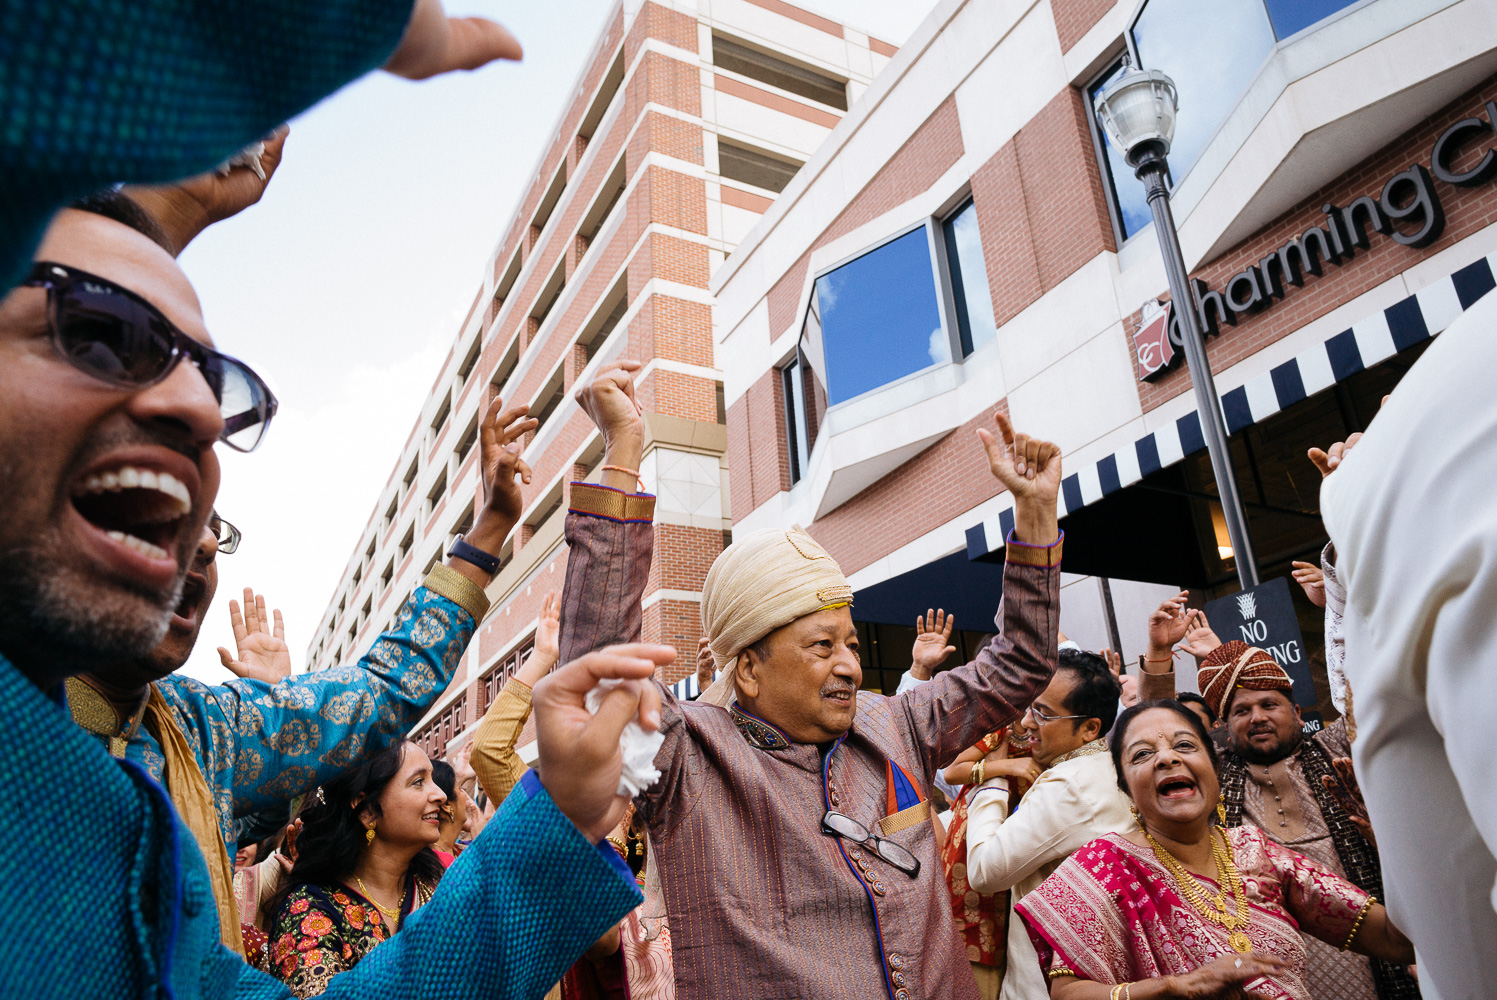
point(639, 747)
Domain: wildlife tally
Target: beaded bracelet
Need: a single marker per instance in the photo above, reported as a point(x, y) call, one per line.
point(1057, 973)
point(1358, 925)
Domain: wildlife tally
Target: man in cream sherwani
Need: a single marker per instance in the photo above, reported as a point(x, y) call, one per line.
point(1074, 800)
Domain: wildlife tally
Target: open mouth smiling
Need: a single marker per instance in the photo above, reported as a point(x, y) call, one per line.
point(1176, 787)
point(137, 511)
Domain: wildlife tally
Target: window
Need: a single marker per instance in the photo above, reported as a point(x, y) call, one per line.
point(437, 492)
point(1212, 52)
point(470, 360)
point(799, 441)
point(605, 317)
point(747, 165)
point(548, 399)
point(410, 474)
point(503, 671)
point(387, 576)
point(550, 293)
point(468, 440)
point(407, 541)
point(550, 198)
point(442, 412)
point(607, 90)
point(739, 57)
point(504, 281)
point(969, 279)
point(603, 205)
point(875, 319)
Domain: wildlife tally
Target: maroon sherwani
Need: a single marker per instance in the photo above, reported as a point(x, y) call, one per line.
point(761, 903)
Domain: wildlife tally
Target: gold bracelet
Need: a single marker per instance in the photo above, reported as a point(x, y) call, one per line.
point(982, 770)
point(620, 846)
point(1358, 925)
point(1127, 991)
point(1057, 973)
point(1116, 994)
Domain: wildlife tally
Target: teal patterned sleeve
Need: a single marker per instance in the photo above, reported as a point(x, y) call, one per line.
point(298, 734)
point(511, 914)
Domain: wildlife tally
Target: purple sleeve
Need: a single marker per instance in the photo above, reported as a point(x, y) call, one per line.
point(960, 706)
point(611, 540)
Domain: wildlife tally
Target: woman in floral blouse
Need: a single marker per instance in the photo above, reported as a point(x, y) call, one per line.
point(364, 863)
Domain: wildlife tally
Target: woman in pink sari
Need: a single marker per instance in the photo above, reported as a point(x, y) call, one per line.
point(1184, 907)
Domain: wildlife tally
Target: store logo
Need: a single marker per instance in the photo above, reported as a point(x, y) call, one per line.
point(1247, 604)
point(1408, 198)
point(1151, 342)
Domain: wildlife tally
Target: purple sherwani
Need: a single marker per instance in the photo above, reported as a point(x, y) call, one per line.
point(761, 903)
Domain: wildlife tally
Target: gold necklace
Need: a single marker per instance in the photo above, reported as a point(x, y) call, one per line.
point(393, 914)
point(1212, 906)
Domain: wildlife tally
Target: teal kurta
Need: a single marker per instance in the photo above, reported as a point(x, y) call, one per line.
point(260, 746)
point(98, 91)
point(108, 896)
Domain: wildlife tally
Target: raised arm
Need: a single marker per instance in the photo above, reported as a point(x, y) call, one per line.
point(954, 710)
point(495, 762)
point(307, 728)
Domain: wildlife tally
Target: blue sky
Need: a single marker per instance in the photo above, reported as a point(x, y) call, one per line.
point(346, 285)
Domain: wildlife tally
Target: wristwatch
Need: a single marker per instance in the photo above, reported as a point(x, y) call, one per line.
point(478, 557)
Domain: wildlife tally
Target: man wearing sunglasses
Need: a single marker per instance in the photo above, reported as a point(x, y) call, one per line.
point(1074, 799)
point(111, 402)
point(790, 827)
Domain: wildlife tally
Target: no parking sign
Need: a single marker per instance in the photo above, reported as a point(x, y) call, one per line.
point(1264, 617)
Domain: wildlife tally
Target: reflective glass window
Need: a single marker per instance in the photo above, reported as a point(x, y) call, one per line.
point(1291, 16)
point(1211, 51)
point(969, 279)
point(1128, 200)
point(879, 319)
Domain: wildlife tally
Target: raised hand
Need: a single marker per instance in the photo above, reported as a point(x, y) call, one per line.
point(933, 633)
point(1330, 460)
point(1029, 469)
point(434, 44)
point(262, 651)
point(1311, 581)
point(1126, 681)
point(1199, 639)
point(1168, 625)
point(548, 630)
point(187, 207)
point(580, 760)
point(501, 439)
point(706, 665)
point(610, 403)
point(462, 765)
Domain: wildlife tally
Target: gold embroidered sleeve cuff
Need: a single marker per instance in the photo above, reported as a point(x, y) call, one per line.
point(615, 505)
point(1025, 554)
point(449, 583)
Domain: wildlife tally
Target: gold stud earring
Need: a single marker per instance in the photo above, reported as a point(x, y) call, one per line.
point(369, 835)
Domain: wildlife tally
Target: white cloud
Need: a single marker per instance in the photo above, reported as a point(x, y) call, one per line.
point(304, 497)
point(940, 350)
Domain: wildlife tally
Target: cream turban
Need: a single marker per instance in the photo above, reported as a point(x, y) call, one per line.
point(761, 582)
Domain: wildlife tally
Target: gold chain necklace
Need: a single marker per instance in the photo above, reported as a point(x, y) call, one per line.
point(392, 913)
point(1212, 906)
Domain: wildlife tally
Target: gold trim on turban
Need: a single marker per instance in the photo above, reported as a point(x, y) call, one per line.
point(764, 581)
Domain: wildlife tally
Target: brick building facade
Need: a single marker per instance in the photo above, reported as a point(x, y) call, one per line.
point(687, 121)
point(1040, 264)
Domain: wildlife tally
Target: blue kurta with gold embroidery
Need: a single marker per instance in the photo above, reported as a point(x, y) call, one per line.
point(260, 745)
point(108, 896)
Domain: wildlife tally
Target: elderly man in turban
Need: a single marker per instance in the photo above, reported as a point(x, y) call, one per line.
point(1301, 791)
point(790, 826)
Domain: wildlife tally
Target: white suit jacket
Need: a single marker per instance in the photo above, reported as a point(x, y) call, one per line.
point(1073, 803)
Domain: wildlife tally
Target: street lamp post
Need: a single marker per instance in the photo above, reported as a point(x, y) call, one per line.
point(1138, 112)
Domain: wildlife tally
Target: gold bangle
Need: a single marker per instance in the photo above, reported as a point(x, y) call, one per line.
point(1358, 925)
point(1127, 991)
point(620, 846)
point(1116, 994)
point(1057, 973)
point(982, 770)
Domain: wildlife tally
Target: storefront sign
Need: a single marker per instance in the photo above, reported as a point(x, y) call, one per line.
point(1264, 617)
point(1408, 210)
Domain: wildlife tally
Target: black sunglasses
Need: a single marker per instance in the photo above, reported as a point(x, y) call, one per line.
point(118, 337)
point(839, 825)
point(228, 536)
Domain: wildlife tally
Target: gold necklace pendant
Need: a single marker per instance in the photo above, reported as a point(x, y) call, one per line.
point(1240, 943)
point(393, 914)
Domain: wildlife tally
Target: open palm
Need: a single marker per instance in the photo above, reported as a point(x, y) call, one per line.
point(262, 651)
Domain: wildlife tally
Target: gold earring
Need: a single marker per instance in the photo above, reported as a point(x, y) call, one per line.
point(1136, 817)
point(1221, 809)
point(369, 835)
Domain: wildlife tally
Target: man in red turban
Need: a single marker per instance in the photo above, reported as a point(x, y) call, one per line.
point(1235, 666)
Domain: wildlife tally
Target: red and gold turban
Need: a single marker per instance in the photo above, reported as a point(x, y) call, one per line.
point(1234, 665)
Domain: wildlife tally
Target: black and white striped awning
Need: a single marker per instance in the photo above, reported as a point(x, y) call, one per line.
point(1375, 338)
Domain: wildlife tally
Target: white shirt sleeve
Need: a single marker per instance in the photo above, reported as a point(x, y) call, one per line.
point(1003, 849)
point(909, 682)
